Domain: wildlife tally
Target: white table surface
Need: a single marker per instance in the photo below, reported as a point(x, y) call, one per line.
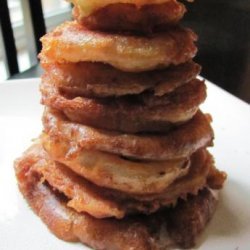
point(20, 121)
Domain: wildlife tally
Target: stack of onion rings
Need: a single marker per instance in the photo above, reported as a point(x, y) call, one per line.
point(124, 141)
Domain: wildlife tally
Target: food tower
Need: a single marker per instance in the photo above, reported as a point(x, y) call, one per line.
point(122, 162)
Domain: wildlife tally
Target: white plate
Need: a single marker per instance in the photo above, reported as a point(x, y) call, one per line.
point(20, 121)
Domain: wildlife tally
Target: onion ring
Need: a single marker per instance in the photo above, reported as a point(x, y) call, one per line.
point(131, 114)
point(128, 17)
point(88, 7)
point(100, 202)
point(178, 143)
point(101, 80)
point(111, 171)
point(72, 42)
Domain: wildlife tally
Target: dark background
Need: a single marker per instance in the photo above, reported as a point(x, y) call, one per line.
point(223, 27)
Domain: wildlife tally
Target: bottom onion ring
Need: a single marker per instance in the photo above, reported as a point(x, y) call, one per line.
point(178, 143)
point(130, 114)
point(178, 226)
point(112, 171)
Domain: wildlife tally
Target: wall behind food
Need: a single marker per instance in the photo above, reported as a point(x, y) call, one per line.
point(223, 27)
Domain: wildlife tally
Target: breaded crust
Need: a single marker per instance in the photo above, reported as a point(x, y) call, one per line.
point(90, 6)
point(100, 202)
point(72, 42)
point(89, 79)
point(112, 171)
point(130, 114)
point(179, 226)
point(177, 143)
point(129, 17)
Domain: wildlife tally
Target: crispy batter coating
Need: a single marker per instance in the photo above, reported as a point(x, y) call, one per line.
point(112, 171)
point(84, 196)
point(131, 114)
point(170, 227)
point(88, 7)
point(122, 162)
point(216, 178)
point(202, 164)
point(72, 42)
point(101, 80)
point(129, 17)
point(200, 172)
point(177, 143)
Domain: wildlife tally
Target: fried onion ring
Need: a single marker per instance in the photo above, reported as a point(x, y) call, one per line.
point(72, 42)
point(128, 17)
point(178, 143)
point(88, 7)
point(112, 171)
point(101, 80)
point(131, 114)
point(181, 225)
point(100, 202)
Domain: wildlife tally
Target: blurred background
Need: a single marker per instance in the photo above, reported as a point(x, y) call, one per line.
point(54, 12)
point(223, 27)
